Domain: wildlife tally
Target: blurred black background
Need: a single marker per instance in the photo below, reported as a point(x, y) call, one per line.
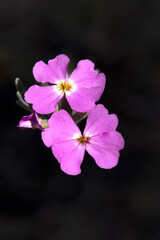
point(37, 200)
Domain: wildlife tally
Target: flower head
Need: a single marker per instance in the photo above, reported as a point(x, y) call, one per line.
point(100, 139)
point(82, 88)
point(32, 121)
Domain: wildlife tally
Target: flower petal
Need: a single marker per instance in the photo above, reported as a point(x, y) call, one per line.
point(30, 121)
point(69, 155)
point(44, 99)
point(84, 75)
point(54, 71)
point(83, 99)
point(46, 135)
point(99, 121)
point(111, 140)
point(104, 149)
point(62, 127)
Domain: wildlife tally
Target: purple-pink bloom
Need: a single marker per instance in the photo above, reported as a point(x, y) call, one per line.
point(30, 121)
point(100, 139)
point(82, 88)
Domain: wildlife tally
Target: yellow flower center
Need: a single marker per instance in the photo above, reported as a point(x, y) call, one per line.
point(83, 140)
point(64, 86)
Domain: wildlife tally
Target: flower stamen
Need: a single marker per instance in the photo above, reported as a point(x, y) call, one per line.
point(64, 86)
point(83, 140)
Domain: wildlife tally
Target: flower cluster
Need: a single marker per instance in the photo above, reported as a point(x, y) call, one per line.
point(59, 102)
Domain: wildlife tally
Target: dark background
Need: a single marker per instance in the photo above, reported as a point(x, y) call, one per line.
point(37, 200)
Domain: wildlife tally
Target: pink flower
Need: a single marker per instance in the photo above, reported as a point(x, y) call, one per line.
point(82, 88)
point(32, 121)
point(100, 139)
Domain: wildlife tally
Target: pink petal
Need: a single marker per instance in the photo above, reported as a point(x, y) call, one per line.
point(47, 137)
point(61, 136)
point(111, 140)
point(99, 121)
point(69, 155)
point(103, 158)
point(62, 127)
point(44, 99)
point(55, 70)
point(30, 121)
point(104, 151)
point(84, 75)
point(83, 99)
